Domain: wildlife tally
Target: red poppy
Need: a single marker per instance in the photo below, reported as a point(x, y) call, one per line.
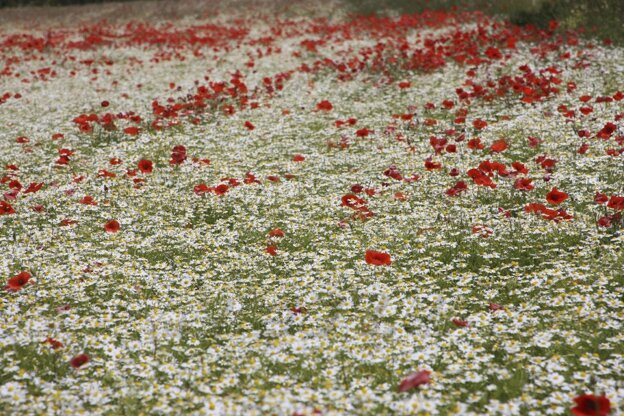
point(324, 106)
point(377, 258)
point(178, 155)
point(221, 189)
point(495, 307)
point(475, 144)
point(298, 158)
point(54, 344)
point(363, 132)
point(276, 232)
point(6, 208)
point(88, 200)
point(499, 146)
point(79, 360)
point(145, 166)
point(414, 380)
point(272, 250)
point(600, 198)
point(556, 197)
point(132, 131)
point(17, 282)
point(249, 126)
point(479, 124)
point(112, 226)
point(591, 405)
point(460, 323)
point(524, 184)
point(400, 196)
point(616, 203)
point(202, 188)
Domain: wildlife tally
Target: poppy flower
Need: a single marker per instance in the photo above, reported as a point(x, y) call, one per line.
point(499, 146)
point(600, 198)
point(556, 197)
point(324, 106)
point(79, 360)
point(221, 189)
point(145, 166)
point(112, 226)
point(377, 258)
point(479, 124)
point(298, 158)
point(54, 344)
point(202, 188)
point(132, 131)
point(524, 184)
point(6, 208)
point(17, 282)
point(178, 155)
point(616, 203)
point(249, 126)
point(414, 380)
point(475, 144)
point(459, 323)
point(591, 405)
point(276, 232)
point(88, 200)
point(272, 250)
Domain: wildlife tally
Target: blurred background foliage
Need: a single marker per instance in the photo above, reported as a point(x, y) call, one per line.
point(603, 19)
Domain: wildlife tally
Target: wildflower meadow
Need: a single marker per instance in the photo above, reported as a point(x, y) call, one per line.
point(291, 209)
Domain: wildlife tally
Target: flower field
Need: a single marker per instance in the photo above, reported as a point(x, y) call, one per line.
point(299, 211)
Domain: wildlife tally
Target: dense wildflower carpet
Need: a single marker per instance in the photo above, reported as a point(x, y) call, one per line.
point(310, 214)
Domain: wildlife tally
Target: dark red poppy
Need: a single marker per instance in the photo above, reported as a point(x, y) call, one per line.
point(600, 198)
point(414, 380)
point(460, 323)
point(616, 203)
point(112, 226)
point(79, 360)
point(378, 258)
point(298, 158)
point(249, 126)
point(6, 208)
point(524, 184)
point(556, 197)
point(145, 166)
point(591, 405)
point(221, 189)
point(475, 144)
point(178, 155)
point(132, 131)
point(324, 106)
point(17, 282)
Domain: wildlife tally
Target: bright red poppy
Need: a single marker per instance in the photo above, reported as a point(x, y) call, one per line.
point(556, 197)
point(145, 166)
point(298, 158)
point(6, 208)
point(17, 282)
point(591, 405)
point(499, 146)
point(112, 226)
point(378, 258)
